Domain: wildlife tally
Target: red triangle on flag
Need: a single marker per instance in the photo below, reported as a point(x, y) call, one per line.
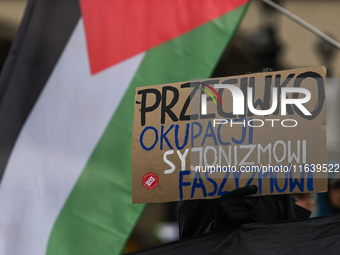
point(119, 29)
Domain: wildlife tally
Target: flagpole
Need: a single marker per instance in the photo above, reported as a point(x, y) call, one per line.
point(303, 23)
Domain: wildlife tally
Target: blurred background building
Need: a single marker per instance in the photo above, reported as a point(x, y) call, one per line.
point(265, 39)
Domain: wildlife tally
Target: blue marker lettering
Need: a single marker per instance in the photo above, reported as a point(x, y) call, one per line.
point(163, 136)
point(181, 183)
point(142, 136)
point(198, 183)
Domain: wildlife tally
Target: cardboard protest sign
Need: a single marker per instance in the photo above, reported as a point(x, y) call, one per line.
point(203, 138)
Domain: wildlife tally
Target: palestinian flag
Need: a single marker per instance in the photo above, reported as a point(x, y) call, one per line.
point(66, 95)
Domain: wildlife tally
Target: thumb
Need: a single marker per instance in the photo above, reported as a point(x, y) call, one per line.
point(241, 192)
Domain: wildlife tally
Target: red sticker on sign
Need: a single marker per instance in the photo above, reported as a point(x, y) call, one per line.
point(150, 181)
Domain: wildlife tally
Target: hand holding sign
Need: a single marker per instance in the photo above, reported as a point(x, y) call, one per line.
point(234, 207)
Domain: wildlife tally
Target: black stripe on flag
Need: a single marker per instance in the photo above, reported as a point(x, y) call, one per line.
point(41, 38)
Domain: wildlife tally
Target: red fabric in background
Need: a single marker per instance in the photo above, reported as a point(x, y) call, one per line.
point(147, 23)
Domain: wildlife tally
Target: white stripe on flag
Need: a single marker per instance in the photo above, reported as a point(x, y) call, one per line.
point(55, 143)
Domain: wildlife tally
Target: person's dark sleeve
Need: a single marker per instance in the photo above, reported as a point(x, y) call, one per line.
point(199, 216)
point(277, 208)
point(195, 216)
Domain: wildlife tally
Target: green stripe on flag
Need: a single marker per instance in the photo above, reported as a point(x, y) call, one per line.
point(98, 216)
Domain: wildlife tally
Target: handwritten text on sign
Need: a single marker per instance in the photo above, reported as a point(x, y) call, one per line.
point(201, 139)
